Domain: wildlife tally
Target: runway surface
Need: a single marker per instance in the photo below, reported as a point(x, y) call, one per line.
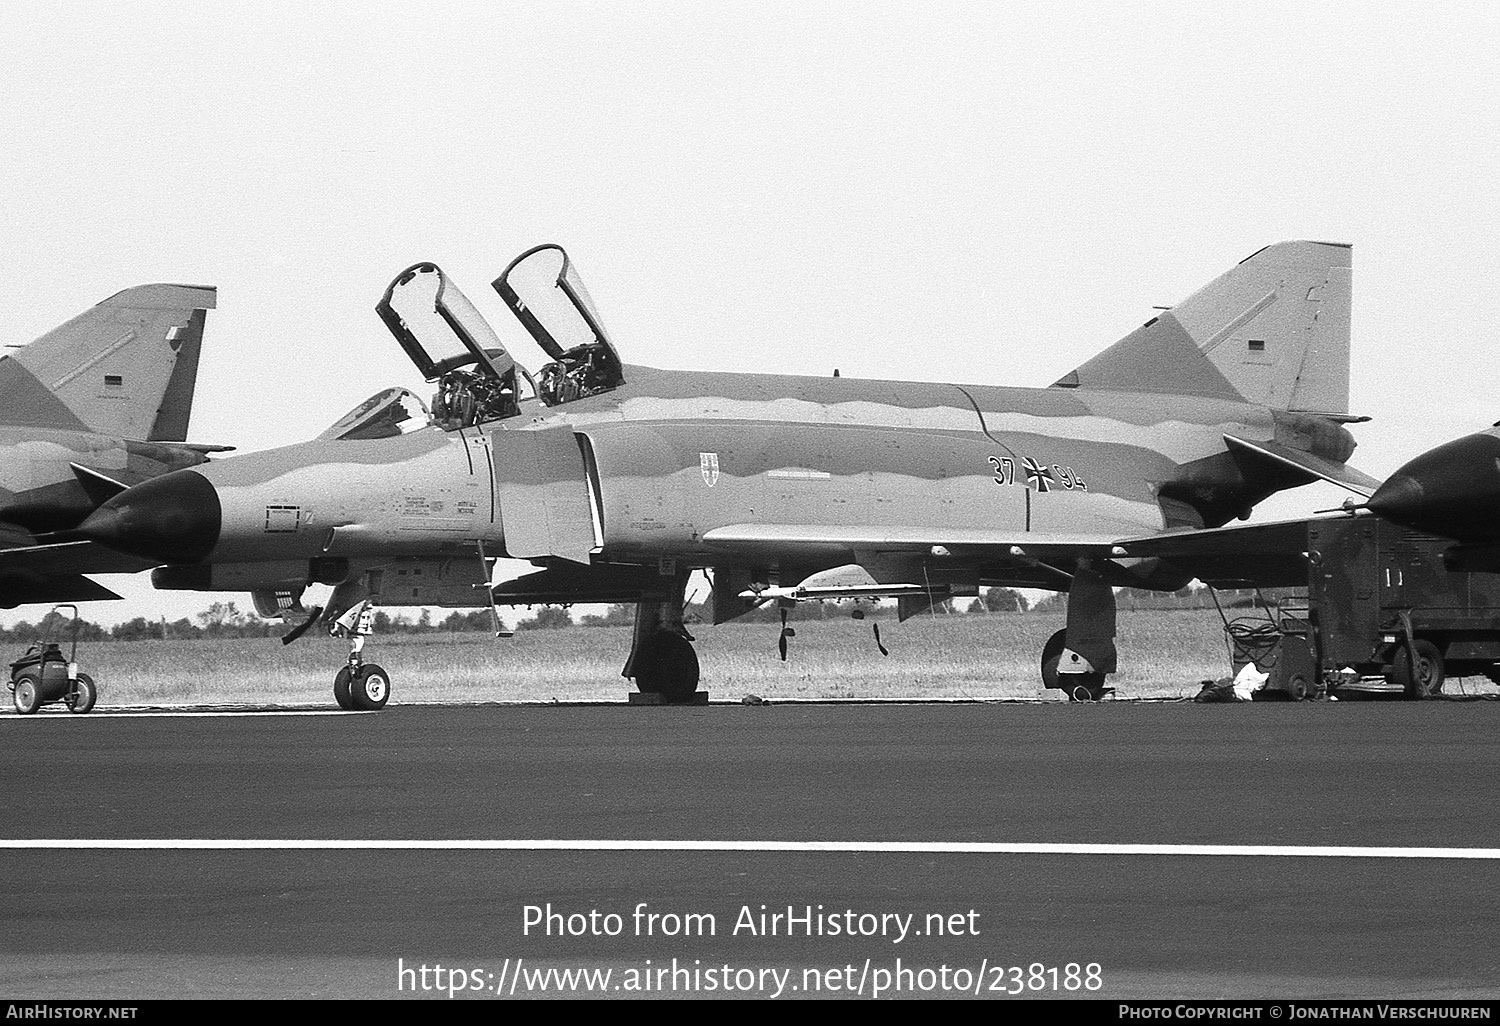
point(178, 917)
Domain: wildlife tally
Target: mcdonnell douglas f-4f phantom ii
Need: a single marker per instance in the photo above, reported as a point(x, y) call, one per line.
point(617, 481)
point(90, 408)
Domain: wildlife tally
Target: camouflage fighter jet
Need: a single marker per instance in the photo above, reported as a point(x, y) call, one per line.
point(90, 408)
point(618, 481)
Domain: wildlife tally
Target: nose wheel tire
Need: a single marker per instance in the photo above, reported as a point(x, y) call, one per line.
point(369, 688)
point(341, 688)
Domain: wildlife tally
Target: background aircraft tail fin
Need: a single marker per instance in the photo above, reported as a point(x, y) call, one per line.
point(126, 367)
point(1273, 330)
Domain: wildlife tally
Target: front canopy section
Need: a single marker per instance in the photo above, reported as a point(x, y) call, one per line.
point(386, 414)
point(544, 291)
point(450, 343)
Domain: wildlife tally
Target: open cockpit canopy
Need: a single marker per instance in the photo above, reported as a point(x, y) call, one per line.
point(545, 292)
point(452, 344)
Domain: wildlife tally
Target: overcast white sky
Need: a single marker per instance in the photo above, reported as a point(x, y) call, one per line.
point(957, 191)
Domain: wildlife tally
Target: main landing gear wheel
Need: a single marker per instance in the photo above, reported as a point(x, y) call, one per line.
point(668, 666)
point(82, 700)
point(1419, 669)
point(1079, 687)
point(369, 687)
point(28, 694)
point(341, 688)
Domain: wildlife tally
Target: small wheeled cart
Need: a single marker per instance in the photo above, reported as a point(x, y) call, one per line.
point(43, 676)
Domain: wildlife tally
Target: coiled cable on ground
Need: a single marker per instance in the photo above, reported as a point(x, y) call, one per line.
point(1251, 638)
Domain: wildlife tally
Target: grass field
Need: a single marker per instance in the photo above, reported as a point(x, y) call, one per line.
point(1163, 654)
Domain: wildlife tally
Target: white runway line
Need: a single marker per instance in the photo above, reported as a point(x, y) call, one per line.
point(163, 714)
point(858, 847)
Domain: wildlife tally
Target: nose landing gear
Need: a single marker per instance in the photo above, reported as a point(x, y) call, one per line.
point(359, 685)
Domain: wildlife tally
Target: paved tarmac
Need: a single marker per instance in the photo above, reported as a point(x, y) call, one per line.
point(363, 918)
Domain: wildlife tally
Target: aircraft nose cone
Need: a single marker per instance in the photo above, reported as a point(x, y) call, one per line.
point(1453, 490)
point(1399, 498)
point(174, 518)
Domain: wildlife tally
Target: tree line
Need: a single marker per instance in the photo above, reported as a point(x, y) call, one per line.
point(226, 620)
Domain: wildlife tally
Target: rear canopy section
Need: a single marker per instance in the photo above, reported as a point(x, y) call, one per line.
point(545, 292)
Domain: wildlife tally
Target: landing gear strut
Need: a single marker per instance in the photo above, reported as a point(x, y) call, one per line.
point(1077, 659)
point(662, 660)
point(359, 685)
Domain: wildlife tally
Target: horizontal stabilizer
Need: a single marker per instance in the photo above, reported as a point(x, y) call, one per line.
point(1272, 538)
point(1268, 555)
point(51, 590)
point(99, 487)
point(54, 573)
point(1315, 467)
point(68, 557)
point(204, 448)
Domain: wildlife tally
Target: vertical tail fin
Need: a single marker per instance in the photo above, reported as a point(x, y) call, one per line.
point(1272, 330)
point(126, 367)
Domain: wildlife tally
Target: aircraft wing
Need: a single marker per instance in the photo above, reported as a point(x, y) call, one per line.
point(824, 539)
point(1266, 555)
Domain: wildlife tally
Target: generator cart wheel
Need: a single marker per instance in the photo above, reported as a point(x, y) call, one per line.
point(341, 688)
point(28, 696)
point(83, 699)
point(1297, 688)
point(369, 688)
point(1419, 669)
